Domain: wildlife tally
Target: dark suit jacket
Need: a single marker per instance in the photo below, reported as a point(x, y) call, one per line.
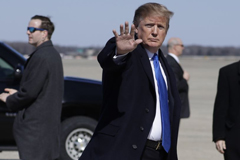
point(129, 103)
point(36, 127)
point(182, 86)
point(226, 116)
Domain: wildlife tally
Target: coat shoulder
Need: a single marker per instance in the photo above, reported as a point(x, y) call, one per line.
point(170, 60)
point(47, 53)
point(230, 67)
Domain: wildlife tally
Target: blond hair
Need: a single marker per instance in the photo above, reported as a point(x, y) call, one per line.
point(148, 9)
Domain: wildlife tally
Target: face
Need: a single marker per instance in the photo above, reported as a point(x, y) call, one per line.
point(38, 37)
point(152, 30)
point(179, 47)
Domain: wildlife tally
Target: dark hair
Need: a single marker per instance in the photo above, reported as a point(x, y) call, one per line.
point(46, 24)
point(148, 9)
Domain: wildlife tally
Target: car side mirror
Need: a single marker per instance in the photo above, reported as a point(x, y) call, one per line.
point(18, 72)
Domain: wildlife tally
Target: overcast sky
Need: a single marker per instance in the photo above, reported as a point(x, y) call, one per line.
point(90, 22)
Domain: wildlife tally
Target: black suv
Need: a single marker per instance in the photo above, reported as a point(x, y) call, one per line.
point(80, 106)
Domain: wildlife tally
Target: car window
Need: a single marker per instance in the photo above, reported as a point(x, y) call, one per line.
point(6, 71)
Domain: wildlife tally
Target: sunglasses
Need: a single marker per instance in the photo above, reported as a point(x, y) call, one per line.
point(32, 29)
point(179, 45)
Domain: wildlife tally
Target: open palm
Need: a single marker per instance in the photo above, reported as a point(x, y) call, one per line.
point(126, 41)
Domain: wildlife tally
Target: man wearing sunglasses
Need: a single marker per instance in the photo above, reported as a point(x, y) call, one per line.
point(38, 100)
point(175, 48)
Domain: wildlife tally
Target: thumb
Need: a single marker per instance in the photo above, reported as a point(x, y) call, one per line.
point(224, 145)
point(138, 41)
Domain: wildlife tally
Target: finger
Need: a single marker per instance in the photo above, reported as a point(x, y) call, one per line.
point(115, 33)
point(222, 151)
point(13, 91)
point(126, 28)
point(224, 145)
point(220, 147)
point(7, 89)
point(121, 29)
point(132, 32)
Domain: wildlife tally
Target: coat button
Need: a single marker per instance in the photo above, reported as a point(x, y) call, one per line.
point(147, 110)
point(134, 146)
point(141, 128)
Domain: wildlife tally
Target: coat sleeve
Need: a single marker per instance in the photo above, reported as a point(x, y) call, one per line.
point(34, 77)
point(105, 57)
point(220, 107)
point(182, 84)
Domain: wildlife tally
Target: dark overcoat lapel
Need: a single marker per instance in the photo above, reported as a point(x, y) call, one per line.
point(145, 63)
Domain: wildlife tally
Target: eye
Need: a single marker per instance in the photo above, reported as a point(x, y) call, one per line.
point(149, 25)
point(160, 27)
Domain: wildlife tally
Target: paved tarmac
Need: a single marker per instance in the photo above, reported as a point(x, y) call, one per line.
point(195, 134)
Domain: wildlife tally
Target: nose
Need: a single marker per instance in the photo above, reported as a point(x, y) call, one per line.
point(28, 32)
point(155, 31)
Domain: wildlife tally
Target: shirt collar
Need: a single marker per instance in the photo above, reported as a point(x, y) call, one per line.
point(174, 56)
point(150, 54)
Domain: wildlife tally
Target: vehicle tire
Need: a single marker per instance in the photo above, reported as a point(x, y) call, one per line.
point(76, 133)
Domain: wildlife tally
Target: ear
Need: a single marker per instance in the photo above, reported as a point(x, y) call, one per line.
point(45, 34)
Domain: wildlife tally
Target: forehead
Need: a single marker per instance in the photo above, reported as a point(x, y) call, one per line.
point(179, 40)
point(35, 23)
point(155, 19)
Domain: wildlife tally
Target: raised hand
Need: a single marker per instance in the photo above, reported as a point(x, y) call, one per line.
point(126, 41)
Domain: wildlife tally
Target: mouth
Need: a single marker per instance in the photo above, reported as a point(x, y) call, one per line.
point(153, 40)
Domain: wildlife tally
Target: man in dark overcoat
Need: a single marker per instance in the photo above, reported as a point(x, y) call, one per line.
point(38, 101)
point(132, 117)
point(175, 48)
point(226, 115)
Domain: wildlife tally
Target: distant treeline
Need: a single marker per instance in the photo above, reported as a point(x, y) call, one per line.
point(198, 50)
point(26, 49)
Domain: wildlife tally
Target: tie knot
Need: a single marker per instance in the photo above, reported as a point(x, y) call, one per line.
point(155, 57)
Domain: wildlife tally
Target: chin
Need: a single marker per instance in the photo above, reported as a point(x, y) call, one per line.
point(154, 46)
